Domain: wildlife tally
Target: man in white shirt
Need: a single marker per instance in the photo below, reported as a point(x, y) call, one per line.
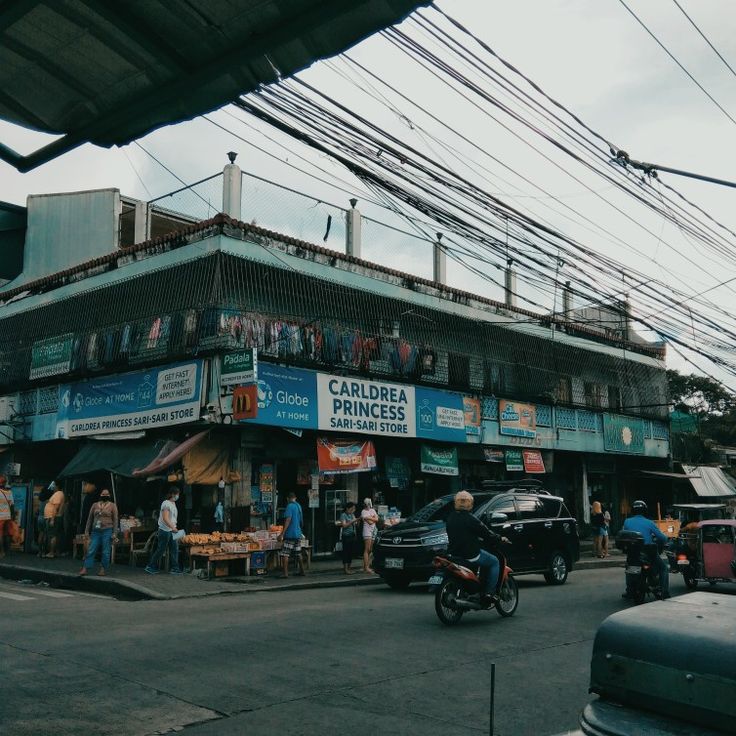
point(165, 535)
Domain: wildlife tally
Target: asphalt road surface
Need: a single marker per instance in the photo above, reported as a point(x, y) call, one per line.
point(344, 661)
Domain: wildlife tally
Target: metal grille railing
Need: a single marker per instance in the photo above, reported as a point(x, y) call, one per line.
point(220, 301)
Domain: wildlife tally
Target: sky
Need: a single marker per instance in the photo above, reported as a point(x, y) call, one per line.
point(592, 56)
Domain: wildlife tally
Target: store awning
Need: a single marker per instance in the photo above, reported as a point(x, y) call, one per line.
point(664, 474)
point(121, 457)
point(169, 455)
point(710, 482)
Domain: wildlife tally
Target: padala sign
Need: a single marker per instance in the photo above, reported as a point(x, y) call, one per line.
point(239, 368)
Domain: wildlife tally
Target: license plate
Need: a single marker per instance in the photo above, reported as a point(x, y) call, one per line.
point(633, 570)
point(683, 562)
point(436, 580)
point(396, 563)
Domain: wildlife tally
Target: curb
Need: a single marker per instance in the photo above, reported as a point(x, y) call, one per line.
point(133, 591)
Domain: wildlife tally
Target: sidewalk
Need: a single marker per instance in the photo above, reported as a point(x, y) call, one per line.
point(134, 584)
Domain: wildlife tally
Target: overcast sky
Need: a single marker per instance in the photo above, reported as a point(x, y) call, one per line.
point(592, 56)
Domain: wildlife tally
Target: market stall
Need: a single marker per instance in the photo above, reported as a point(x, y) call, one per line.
point(221, 553)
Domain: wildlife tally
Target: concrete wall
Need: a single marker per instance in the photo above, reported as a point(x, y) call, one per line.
point(67, 229)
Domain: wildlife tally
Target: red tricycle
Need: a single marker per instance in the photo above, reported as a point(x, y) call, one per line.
point(707, 553)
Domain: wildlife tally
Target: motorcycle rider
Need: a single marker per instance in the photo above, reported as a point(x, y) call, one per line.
point(464, 532)
point(652, 535)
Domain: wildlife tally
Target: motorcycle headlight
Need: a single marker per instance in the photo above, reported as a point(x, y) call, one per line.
point(435, 540)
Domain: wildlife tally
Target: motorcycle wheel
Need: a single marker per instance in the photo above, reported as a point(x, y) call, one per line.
point(508, 599)
point(690, 582)
point(446, 612)
point(640, 594)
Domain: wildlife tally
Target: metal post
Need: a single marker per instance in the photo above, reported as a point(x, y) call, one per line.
point(493, 695)
point(114, 494)
point(313, 540)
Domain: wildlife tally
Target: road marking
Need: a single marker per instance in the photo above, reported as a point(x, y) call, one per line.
point(50, 593)
point(14, 597)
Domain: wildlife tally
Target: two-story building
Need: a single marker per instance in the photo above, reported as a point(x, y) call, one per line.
point(139, 346)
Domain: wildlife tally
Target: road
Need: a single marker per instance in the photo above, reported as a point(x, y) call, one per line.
point(355, 661)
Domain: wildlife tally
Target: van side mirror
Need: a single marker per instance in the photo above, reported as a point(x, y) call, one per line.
point(497, 517)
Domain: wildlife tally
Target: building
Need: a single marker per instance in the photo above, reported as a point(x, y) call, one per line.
point(127, 345)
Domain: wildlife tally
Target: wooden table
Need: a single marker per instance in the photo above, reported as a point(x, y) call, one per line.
point(220, 557)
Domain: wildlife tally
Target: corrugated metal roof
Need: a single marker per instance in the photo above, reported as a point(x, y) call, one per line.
point(110, 72)
point(709, 482)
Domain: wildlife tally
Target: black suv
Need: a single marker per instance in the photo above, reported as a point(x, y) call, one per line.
point(543, 534)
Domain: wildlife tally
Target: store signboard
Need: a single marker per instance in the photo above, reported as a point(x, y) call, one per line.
point(623, 434)
point(516, 419)
point(367, 407)
point(147, 399)
point(345, 456)
point(493, 456)
point(301, 399)
point(440, 415)
point(439, 461)
point(51, 357)
point(398, 472)
point(287, 397)
point(245, 402)
point(514, 460)
point(239, 368)
point(533, 462)
point(471, 407)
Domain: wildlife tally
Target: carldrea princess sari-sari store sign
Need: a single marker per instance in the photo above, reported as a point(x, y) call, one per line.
point(131, 401)
point(302, 399)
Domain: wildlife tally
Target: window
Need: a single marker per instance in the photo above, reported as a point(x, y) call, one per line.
point(551, 507)
point(502, 505)
point(529, 507)
point(436, 511)
point(494, 378)
point(458, 370)
point(614, 398)
point(593, 395)
point(563, 394)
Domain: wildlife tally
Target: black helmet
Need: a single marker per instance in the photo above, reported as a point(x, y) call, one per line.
point(639, 507)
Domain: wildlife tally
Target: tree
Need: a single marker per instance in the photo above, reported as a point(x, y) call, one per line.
point(699, 395)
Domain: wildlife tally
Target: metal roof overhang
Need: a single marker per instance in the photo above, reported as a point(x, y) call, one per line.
point(709, 482)
point(107, 73)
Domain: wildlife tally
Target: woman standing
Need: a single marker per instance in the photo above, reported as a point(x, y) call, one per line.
point(348, 535)
point(369, 517)
point(102, 522)
point(598, 523)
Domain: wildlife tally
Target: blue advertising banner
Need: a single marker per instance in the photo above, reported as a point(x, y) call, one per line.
point(303, 399)
point(131, 401)
point(440, 415)
point(287, 397)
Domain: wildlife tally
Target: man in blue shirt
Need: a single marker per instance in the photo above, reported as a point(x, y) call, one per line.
point(292, 535)
point(652, 535)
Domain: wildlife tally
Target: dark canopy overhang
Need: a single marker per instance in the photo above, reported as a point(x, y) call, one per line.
point(108, 73)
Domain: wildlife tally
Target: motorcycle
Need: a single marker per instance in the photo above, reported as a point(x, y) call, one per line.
point(458, 589)
point(683, 558)
point(641, 565)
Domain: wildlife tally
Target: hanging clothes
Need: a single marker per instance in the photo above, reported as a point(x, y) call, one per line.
point(153, 334)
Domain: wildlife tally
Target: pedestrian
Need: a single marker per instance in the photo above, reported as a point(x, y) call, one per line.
point(598, 522)
point(53, 516)
point(369, 516)
point(167, 520)
point(219, 517)
point(102, 522)
point(291, 536)
point(7, 514)
point(607, 531)
point(348, 536)
point(41, 537)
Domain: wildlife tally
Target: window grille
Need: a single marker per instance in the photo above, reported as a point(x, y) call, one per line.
point(48, 400)
point(565, 418)
point(544, 415)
